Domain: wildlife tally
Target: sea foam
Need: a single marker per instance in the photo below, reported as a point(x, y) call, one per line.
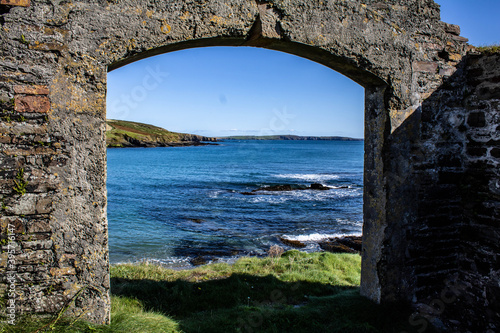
point(313, 177)
point(316, 237)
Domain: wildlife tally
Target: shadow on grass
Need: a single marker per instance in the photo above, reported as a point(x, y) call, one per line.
point(249, 303)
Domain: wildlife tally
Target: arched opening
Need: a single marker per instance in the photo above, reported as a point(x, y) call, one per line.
point(174, 212)
point(376, 130)
point(231, 218)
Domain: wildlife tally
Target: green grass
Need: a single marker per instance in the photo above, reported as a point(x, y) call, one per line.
point(490, 49)
point(145, 129)
point(298, 292)
point(127, 315)
point(20, 183)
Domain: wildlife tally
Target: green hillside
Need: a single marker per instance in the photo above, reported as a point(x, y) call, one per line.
point(121, 133)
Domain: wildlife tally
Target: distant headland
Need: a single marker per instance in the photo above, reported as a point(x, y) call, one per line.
point(289, 137)
point(123, 134)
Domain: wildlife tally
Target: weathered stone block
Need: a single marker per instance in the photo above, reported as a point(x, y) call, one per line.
point(425, 66)
point(27, 128)
point(4, 257)
point(4, 138)
point(67, 257)
point(489, 92)
point(35, 236)
point(476, 151)
point(476, 119)
point(451, 161)
point(460, 39)
point(495, 79)
point(42, 186)
point(49, 46)
point(21, 3)
point(452, 29)
point(38, 245)
point(456, 57)
point(58, 272)
point(432, 46)
point(447, 71)
point(35, 257)
point(475, 72)
point(31, 90)
point(37, 104)
point(24, 205)
point(12, 223)
point(44, 205)
point(37, 226)
point(26, 268)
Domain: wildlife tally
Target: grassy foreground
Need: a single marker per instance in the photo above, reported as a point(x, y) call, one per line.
point(298, 292)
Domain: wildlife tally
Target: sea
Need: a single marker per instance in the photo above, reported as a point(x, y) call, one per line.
point(175, 205)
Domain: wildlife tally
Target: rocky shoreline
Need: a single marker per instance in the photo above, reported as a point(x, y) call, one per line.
point(344, 244)
point(133, 143)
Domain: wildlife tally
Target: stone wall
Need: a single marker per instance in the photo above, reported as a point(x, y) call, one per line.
point(52, 168)
point(480, 184)
point(414, 152)
point(451, 249)
point(431, 140)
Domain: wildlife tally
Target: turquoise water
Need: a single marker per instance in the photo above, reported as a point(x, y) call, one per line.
point(173, 204)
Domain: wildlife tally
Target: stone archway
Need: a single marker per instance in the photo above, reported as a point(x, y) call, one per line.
point(55, 55)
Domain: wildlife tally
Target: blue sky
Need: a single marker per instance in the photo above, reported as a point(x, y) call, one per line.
point(222, 91)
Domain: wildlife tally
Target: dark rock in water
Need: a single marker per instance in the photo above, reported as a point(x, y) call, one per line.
point(320, 187)
point(276, 188)
point(275, 251)
point(354, 242)
point(347, 244)
point(199, 260)
point(197, 220)
point(336, 247)
point(292, 242)
point(288, 187)
point(205, 256)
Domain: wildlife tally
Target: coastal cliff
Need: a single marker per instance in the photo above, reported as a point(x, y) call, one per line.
point(121, 134)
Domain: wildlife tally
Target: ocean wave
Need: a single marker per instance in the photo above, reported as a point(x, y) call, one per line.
point(272, 199)
point(179, 263)
point(316, 237)
point(312, 177)
point(302, 196)
point(213, 194)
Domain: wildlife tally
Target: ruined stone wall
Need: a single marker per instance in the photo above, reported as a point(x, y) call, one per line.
point(452, 246)
point(480, 248)
point(431, 155)
point(52, 167)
